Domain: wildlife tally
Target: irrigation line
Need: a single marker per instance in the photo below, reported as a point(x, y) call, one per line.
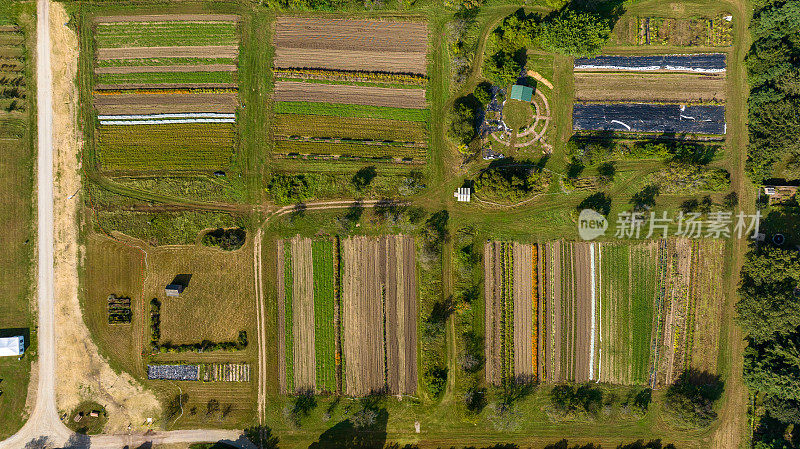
point(594, 307)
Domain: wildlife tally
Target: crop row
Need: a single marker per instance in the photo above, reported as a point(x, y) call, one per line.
point(507, 300)
point(146, 62)
point(287, 125)
point(354, 76)
point(351, 110)
point(290, 147)
point(161, 91)
point(288, 283)
point(325, 344)
point(166, 77)
point(174, 146)
point(165, 34)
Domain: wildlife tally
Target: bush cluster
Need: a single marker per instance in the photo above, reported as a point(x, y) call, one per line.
point(225, 239)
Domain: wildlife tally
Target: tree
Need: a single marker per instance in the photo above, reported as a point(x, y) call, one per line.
point(773, 366)
point(483, 93)
point(364, 177)
point(262, 437)
point(462, 120)
point(287, 189)
point(691, 397)
point(212, 406)
point(599, 202)
point(768, 301)
point(579, 34)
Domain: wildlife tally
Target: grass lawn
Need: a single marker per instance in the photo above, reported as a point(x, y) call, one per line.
point(17, 144)
point(517, 114)
point(87, 424)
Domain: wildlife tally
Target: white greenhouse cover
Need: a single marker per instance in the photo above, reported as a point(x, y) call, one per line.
point(12, 346)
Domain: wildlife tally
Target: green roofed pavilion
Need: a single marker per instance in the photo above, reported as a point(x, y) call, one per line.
point(521, 93)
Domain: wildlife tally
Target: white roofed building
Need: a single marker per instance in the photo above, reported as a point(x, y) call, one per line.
point(12, 346)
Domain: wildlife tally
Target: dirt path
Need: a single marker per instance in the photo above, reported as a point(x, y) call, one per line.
point(260, 317)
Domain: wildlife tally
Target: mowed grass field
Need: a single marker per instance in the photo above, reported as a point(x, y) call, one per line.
point(17, 212)
point(217, 304)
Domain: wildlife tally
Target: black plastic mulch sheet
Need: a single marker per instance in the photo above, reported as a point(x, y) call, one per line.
point(707, 63)
point(650, 118)
point(173, 372)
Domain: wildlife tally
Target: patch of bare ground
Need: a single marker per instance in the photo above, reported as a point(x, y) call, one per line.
point(650, 87)
point(523, 311)
point(710, 303)
point(82, 373)
point(203, 51)
point(407, 316)
point(583, 311)
point(355, 60)
point(344, 94)
point(168, 18)
point(166, 68)
point(133, 104)
point(305, 364)
point(346, 34)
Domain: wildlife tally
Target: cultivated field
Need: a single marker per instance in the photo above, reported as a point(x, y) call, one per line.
point(337, 71)
point(630, 314)
point(650, 87)
point(700, 32)
point(166, 91)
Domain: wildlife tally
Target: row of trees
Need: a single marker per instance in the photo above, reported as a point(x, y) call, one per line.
point(773, 66)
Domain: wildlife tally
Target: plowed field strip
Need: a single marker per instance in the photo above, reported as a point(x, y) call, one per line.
point(649, 87)
point(303, 320)
point(167, 68)
point(344, 34)
point(710, 302)
point(280, 286)
point(359, 60)
point(348, 127)
point(583, 311)
point(395, 320)
point(408, 358)
point(523, 311)
point(204, 51)
point(344, 94)
point(135, 104)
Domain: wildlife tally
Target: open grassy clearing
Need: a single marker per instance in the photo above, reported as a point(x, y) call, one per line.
point(162, 227)
point(287, 125)
point(351, 110)
point(190, 146)
point(211, 307)
point(650, 87)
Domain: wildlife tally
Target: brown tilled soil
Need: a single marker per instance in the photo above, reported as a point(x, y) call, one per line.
point(134, 104)
point(355, 60)
point(168, 18)
point(394, 312)
point(166, 68)
point(408, 319)
point(650, 87)
point(281, 319)
point(346, 34)
point(305, 365)
point(344, 94)
point(523, 311)
point(583, 311)
point(204, 51)
point(680, 284)
point(541, 311)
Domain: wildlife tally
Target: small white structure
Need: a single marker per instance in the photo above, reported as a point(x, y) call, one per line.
point(463, 194)
point(12, 346)
point(769, 190)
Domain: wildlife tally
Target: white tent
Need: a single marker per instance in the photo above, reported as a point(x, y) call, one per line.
point(12, 346)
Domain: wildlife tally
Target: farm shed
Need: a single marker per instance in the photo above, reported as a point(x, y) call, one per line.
point(12, 346)
point(173, 290)
point(521, 93)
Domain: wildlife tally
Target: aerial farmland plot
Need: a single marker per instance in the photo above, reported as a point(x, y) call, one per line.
point(347, 315)
point(634, 314)
point(332, 73)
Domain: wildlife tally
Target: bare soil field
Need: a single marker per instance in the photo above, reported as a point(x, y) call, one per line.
point(205, 51)
point(166, 69)
point(583, 311)
point(649, 87)
point(343, 94)
point(138, 103)
point(353, 60)
point(704, 331)
point(345, 34)
point(524, 272)
point(281, 331)
point(305, 364)
point(168, 18)
point(379, 289)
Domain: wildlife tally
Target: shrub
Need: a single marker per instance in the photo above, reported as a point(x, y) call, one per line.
point(287, 189)
point(483, 93)
point(225, 239)
point(691, 398)
point(435, 381)
point(574, 33)
point(511, 183)
point(462, 119)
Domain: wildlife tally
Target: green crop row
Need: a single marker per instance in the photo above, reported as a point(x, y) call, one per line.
point(162, 61)
point(351, 110)
point(644, 283)
point(507, 319)
point(323, 148)
point(288, 286)
point(325, 343)
point(306, 125)
point(198, 146)
point(166, 77)
point(165, 34)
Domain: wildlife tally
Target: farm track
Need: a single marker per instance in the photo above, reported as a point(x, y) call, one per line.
point(139, 103)
point(346, 94)
point(261, 323)
point(204, 51)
